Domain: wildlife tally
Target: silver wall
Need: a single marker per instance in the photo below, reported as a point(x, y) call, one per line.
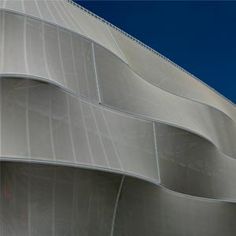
point(49, 200)
point(159, 70)
point(77, 93)
point(41, 122)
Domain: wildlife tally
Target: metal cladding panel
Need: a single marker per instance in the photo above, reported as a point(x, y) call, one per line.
point(13, 54)
point(50, 200)
point(169, 130)
point(93, 28)
point(13, 5)
point(190, 164)
point(122, 89)
point(163, 74)
point(159, 70)
point(145, 209)
point(43, 123)
point(44, 11)
point(31, 8)
point(66, 15)
point(42, 51)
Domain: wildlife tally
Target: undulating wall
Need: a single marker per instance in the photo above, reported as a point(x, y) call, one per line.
point(100, 135)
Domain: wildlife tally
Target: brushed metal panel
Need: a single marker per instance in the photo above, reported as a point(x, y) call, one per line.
point(42, 51)
point(124, 90)
point(145, 209)
point(191, 165)
point(49, 200)
point(41, 122)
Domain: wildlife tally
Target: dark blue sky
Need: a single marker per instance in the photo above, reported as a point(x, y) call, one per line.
point(199, 36)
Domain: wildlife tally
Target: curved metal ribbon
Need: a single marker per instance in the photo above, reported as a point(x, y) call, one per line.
point(79, 93)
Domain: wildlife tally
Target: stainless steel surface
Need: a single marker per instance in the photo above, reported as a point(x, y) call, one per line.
point(159, 70)
point(51, 200)
point(122, 89)
point(145, 209)
point(40, 122)
point(190, 164)
point(48, 200)
point(75, 91)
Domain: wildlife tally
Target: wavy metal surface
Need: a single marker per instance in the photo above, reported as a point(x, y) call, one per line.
point(47, 56)
point(121, 88)
point(159, 70)
point(51, 200)
point(42, 123)
point(74, 91)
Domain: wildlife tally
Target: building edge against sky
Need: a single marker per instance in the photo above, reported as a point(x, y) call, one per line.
point(192, 44)
point(101, 136)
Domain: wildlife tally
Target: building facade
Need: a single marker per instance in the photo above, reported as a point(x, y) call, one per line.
point(101, 135)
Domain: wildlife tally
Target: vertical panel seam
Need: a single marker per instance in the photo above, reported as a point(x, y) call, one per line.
point(116, 43)
point(60, 56)
point(37, 6)
point(99, 135)
point(67, 99)
point(60, 10)
point(99, 101)
point(50, 12)
point(78, 27)
point(3, 41)
point(50, 102)
point(96, 75)
point(25, 46)
point(76, 79)
point(27, 91)
point(27, 120)
point(53, 201)
point(29, 205)
point(156, 151)
point(116, 205)
point(70, 128)
point(1, 67)
point(44, 50)
point(50, 126)
point(86, 132)
point(112, 141)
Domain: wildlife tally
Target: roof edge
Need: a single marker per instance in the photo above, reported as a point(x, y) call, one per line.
point(148, 48)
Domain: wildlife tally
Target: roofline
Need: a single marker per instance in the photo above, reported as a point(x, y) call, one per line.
point(148, 48)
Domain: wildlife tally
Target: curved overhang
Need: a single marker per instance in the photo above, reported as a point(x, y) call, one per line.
point(152, 66)
point(75, 92)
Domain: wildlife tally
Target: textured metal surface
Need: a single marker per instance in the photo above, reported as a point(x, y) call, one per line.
point(34, 49)
point(40, 122)
point(159, 70)
point(48, 200)
point(190, 164)
point(145, 209)
point(121, 88)
point(75, 91)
